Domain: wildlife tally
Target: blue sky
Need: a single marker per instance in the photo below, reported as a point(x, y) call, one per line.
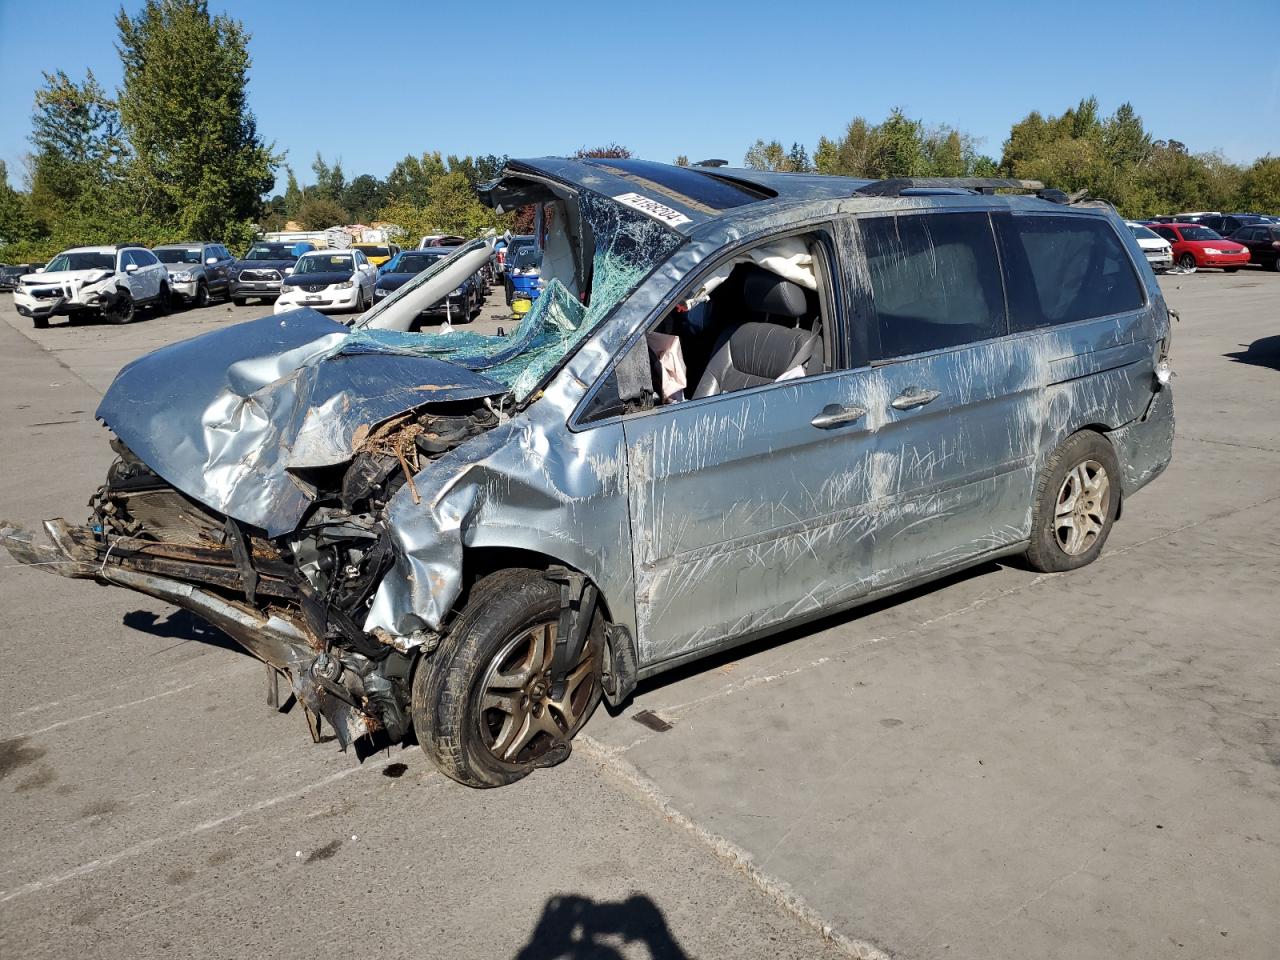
point(370, 82)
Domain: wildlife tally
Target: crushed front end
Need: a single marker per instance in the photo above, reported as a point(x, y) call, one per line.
point(295, 601)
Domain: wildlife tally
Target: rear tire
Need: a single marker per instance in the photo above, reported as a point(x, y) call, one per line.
point(479, 705)
point(1076, 502)
point(239, 301)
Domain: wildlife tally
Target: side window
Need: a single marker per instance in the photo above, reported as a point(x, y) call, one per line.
point(144, 258)
point(935, 281)
point(126, 259)
point(1166, 233)
point(762, 317)
point(1062, 269)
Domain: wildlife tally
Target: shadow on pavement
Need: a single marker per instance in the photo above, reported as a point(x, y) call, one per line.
point(578, 928)
point(1264, 352)
point(180, 625)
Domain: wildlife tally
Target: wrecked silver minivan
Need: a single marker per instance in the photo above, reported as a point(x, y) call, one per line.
point(742, 401)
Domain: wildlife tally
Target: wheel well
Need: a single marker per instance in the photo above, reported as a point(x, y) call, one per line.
point(479, 562)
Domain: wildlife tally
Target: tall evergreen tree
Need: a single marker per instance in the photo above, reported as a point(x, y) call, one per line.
point(199, 163)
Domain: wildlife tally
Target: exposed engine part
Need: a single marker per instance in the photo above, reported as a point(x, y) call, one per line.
point(323, 575)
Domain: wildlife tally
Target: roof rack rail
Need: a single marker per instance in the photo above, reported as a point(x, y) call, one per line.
point(895, 186)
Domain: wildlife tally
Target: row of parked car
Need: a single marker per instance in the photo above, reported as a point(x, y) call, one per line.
point(114, 282)
point(1226, 241)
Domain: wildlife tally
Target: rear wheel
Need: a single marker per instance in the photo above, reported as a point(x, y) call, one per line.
point(1077, 500)
point(359, 300)
point(482, 706)
point(1187, 261)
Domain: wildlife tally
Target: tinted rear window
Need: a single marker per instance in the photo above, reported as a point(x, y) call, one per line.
point(1064, 269)
point(684, 184)
point(935, 280)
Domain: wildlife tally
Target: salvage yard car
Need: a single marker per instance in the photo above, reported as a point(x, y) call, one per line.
point(197, 270)
point(1154, 247)
point(1196, 247)
point(262, 271)
point(329, 280)
point(111, 282)
point(460, 305)
point(743, 401)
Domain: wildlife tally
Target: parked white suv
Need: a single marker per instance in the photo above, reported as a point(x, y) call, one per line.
point(331, 281)
point(111, 282)
point(1154, 247)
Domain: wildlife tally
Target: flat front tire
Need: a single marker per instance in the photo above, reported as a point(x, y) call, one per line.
point(482, 706)
point(1076, 502)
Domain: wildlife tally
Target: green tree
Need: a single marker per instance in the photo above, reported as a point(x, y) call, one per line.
point(1260, 186)
point(774, 156)
point(317, 212)
point(615, 151)
point(292, 194)
point(411, 178)
point(364, 197)
point(331, 182)
point(898, 147)
point(16, 223)
point(199, 164)
point(681, 161)
point(78, 141)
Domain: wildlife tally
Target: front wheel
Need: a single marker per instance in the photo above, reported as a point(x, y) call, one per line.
point(1187, 261)
point(482, 705)
point(1077, 500)
point(202, 296)
point(122, 310)
point(359, 308)
point(1230, 269)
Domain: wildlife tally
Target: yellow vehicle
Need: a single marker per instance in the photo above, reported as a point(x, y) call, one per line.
point(377, 253)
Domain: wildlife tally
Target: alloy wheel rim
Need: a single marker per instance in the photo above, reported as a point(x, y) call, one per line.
point(1188, 261)
point(1084, 503)
point(519, 721)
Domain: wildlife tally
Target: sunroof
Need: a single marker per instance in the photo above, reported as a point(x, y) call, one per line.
point(688, 186)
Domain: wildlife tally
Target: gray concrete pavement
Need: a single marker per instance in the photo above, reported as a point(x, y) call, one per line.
point(1003, 765)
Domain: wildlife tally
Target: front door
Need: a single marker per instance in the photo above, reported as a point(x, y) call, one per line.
point(745, 514)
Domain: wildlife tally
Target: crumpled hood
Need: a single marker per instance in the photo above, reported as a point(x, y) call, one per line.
point(65, 276)
point(225, 416)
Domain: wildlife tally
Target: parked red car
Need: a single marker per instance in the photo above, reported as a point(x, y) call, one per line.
point(1197, 246)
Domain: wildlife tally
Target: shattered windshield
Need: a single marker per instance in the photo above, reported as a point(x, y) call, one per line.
point(628, 246)
point(178, 256)
point(81, 261)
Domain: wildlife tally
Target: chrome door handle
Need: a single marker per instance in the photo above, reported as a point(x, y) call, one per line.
point(913, 397)
point(837, 415)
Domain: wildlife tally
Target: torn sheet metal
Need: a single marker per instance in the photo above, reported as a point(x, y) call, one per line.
point(224, 416)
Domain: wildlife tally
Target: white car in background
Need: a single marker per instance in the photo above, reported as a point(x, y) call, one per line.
point(111, 282)
point(331, 281)
point(1155, 248)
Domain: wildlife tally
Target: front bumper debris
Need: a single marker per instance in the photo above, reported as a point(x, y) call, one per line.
point(276, 635)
